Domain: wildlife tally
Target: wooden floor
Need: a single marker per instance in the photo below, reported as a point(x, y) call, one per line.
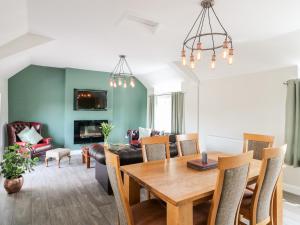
point(71, 195)
point(51, 196)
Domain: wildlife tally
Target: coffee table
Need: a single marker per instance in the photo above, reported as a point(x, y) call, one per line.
point(58, 154)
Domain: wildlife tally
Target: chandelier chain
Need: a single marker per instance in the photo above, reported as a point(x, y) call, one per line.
point(211, 32)
point(193, 26)
point(203, 18)
point(219, 20)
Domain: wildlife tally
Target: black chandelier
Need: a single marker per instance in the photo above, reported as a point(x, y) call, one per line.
point(122, 74)
point(194, 43)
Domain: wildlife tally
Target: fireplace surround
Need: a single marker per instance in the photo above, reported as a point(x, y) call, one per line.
point(88, 131)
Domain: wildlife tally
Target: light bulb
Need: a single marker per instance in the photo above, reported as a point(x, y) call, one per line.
point(199, 49)
point(125, 84)
point(115, 84)
point(132, 83)
point(192, 61)
point(213, 61)
point(230, 56)
point(111, 83)
point(225, 49)
point(199, 55)
point(120, 82)
point(183, 58)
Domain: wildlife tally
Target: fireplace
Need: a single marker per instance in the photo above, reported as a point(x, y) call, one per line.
point(88, 131)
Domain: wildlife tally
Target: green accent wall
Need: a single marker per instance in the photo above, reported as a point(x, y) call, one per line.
point(37, 94)
point(127, 108)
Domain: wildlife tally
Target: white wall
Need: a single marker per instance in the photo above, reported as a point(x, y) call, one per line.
point(3, 112)
point(190, 90)
point(246, 103)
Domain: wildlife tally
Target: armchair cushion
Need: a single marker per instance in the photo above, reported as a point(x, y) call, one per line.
point(47, 140)
point(40, 147)
point(23, 134)
point(33, 137)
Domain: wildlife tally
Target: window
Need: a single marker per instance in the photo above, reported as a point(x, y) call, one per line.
point(163, 113)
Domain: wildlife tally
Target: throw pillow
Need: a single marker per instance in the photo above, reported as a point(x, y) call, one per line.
point(33, 137)
point(23, 134)
point(144, 132)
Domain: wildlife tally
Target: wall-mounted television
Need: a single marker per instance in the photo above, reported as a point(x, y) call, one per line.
point(90, 100)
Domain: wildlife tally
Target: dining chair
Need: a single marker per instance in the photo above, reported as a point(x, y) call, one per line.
point(257, 204)
point(155, 148)
point(256, 143)
point(230, 186)
point(150, 212)
point(188, 144)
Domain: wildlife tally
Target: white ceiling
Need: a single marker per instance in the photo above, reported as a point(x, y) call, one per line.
point(91, 34)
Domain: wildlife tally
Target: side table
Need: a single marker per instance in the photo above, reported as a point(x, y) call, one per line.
point(86, 156)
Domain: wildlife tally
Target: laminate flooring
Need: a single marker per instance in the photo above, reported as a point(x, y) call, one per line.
point(72, 196)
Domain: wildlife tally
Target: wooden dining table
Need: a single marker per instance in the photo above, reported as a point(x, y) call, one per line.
point(181, 187)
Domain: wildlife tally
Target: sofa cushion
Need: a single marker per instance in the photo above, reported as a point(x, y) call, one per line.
point(144, 132)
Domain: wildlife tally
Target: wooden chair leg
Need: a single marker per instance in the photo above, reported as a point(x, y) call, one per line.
point(83, 158)
point(58, 163)
point(69, 159)
point(88, 161)
point(46, 161)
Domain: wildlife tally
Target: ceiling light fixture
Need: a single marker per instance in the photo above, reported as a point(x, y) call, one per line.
point(122, 74)
point(193, 40)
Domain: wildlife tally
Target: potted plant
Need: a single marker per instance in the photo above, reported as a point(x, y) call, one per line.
point(16, 161)
point(106, 130)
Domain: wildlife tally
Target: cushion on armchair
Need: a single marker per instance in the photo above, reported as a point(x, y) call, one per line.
point(23, 134)
point(33, 137)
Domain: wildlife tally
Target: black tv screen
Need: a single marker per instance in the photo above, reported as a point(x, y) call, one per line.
point(90, 100)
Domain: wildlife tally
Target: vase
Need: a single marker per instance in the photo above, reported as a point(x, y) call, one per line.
point(13, 185)
point(106, 141)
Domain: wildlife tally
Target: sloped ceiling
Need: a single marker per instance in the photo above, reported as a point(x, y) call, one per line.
point(91, 34)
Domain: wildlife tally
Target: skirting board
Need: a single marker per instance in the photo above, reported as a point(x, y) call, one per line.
point(293, 189)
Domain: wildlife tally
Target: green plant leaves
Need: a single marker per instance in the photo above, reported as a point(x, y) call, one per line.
point(16, 161)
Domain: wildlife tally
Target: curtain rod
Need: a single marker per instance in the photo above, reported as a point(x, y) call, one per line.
point(168, 93)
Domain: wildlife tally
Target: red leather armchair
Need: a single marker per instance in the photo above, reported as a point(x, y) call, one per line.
point(36, 150)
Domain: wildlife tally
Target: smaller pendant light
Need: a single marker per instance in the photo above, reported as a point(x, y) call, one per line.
point(122, 74)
